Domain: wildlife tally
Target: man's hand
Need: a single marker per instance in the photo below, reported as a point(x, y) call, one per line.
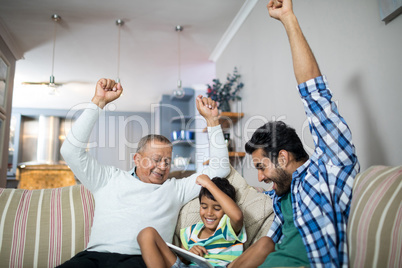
point(107, 90)
point(280, 9)
point(304, 64)
point(208, 109)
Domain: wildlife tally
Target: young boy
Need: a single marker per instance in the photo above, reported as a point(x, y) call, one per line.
point(219, 237)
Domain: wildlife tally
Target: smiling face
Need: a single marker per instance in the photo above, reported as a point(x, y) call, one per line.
point(153, 163)
point(268, 172)
point(211, 213)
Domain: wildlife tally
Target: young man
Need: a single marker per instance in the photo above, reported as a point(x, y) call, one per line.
point(311, 195)
point(128, 201)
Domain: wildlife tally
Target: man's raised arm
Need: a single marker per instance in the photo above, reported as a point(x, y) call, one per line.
point(73, 150)
point(304, 64)
point(218, 151)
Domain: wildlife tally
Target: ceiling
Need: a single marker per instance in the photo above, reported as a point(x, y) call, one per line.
point(87, 44)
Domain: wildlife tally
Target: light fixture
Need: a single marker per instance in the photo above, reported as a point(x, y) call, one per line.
point(52, 84)
point(119, 23)
point(56, 18)
point(179, 92)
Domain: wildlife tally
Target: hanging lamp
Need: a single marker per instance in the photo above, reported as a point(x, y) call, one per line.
point(52, 84)
point(56, 18)
point(179, 92)
point(119, 23)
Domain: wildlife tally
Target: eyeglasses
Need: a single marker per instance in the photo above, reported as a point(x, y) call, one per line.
point(157, 161)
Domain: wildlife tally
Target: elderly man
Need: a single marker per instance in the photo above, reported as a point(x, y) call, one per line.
point(311, 195)
point(128, 201)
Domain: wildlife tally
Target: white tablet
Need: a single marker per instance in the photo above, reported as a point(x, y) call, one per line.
point(202, 262)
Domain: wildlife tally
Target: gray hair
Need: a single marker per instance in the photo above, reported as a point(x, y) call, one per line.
point(150, 138)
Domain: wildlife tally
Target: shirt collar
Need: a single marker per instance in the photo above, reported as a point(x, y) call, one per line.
point(133, 173)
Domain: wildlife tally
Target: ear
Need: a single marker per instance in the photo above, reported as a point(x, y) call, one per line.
point(283, 158)
point(137, 159)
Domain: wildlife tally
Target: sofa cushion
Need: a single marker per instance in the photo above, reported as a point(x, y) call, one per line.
point(257, 210)
point(374, 227)
point(44, 228)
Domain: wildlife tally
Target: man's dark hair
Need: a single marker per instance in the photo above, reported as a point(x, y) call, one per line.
point(223, 185)
point(275, 136)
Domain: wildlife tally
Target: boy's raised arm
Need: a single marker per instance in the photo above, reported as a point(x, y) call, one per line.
point(228, 205)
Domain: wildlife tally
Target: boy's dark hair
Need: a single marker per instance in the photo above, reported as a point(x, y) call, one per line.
point(275, 136)
point(223, 185)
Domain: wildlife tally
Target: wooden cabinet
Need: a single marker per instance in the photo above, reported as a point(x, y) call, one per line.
point(7, 70)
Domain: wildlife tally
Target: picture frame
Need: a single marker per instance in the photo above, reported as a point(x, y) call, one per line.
point(390, 9)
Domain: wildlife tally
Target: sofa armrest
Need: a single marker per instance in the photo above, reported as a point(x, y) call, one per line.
point(374, 227)
point(44, 228)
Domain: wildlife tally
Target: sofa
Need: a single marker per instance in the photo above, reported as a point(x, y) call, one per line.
point(44, 228)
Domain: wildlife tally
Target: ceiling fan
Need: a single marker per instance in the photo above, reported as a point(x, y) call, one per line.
point(51, 83)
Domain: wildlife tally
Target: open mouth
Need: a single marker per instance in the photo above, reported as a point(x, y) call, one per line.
point(157, 174)
point(270, 183)
point(210, 221)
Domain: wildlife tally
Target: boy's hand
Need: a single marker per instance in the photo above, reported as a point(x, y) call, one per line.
point(199, 250)
point(203, 180)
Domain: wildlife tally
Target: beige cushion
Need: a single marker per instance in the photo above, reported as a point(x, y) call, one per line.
point(257, 210)
point(44, 228)
point(375, 221)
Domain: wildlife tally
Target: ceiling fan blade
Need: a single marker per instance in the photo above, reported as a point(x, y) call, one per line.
point(71, 83)
point(41, 84)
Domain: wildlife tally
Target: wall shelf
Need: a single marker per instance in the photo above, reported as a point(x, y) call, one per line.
point(188, 167)
point(184, 142)
point(180, 118)
point(237, 154)
point(228, 119)
point(232, 155)
point(182, 171)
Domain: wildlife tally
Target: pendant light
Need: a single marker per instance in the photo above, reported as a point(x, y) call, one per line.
point(51, 84)
point(56, 18)
point(119, 23)
point(179, 92)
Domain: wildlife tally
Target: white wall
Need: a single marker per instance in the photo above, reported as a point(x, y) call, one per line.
point(360, 55)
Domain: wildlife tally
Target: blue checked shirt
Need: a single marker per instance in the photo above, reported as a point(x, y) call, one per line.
point(322, 187)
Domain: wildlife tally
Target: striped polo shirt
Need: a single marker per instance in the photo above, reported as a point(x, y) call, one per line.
point(223, 246)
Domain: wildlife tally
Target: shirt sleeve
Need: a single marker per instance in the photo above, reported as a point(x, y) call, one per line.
point(230, 234)
point(219, 165)
point(331, 134)
point(275, 231)
point(185, 235)
point(85, 167)
point(323, 191)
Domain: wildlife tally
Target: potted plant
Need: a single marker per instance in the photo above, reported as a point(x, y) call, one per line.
point(224, 93)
